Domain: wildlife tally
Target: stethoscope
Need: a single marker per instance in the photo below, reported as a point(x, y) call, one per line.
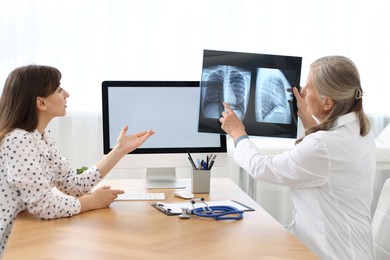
point(215, 212)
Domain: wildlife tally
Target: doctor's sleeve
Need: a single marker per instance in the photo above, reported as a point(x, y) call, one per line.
point(302, 166)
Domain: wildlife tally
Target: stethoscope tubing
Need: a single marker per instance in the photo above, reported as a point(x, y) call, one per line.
point(218, 212)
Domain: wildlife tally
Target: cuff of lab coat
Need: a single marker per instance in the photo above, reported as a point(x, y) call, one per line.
point(239, 139)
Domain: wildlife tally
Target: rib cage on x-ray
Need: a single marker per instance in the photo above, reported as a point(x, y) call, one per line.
point(224, 83)
point(272, 96)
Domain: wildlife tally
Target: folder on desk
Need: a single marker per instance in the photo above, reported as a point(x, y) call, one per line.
point(172, 209)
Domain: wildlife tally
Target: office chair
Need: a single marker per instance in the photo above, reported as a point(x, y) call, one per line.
point(381, 224)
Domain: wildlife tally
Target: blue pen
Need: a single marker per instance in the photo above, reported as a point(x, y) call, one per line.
point(204, 165)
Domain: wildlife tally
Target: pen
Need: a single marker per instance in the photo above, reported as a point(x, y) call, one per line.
point(192, 163)
point(190, 159)
point(212, 161)
point(208, 160)
point(203, 165)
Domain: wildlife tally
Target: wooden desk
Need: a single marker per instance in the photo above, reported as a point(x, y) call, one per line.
point(136, 230)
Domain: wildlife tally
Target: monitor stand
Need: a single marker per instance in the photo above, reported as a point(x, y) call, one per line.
point(162, 178)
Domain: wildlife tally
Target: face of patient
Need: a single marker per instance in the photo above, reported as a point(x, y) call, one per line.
point(56, 103)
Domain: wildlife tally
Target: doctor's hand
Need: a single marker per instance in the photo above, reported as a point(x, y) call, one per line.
point(231, 124)
point(100, 198)
point(304, 115)
point(128, 143)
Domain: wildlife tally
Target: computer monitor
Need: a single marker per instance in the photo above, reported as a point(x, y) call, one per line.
point(258, 87)
point(171, 109)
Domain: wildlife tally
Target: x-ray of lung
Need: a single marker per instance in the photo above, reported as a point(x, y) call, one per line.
point(258, 87)
point(273, 97)
point(224, 83)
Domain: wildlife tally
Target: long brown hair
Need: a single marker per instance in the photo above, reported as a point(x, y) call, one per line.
point(18, 101)
point(338, 78)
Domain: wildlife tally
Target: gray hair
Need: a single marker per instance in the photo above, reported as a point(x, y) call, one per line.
point(338, 78)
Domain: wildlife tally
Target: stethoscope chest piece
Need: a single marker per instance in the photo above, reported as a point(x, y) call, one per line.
point(185, 214)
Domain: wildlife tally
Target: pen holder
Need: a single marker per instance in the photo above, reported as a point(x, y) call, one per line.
point(200, 181)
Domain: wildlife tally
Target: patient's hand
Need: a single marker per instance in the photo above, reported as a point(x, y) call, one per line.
point(100, 198)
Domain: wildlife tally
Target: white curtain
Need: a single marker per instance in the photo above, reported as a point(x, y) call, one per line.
point(95, 40)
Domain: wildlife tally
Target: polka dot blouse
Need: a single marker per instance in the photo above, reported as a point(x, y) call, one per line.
point(30, 166)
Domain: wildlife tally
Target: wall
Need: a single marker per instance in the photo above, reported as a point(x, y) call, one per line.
point(79, 138)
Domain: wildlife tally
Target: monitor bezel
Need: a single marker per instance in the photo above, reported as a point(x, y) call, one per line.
point(126, 83)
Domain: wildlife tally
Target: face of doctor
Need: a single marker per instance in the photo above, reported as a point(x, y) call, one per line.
point(317, 105)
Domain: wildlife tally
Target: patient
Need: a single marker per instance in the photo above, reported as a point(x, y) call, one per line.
point(30, 165)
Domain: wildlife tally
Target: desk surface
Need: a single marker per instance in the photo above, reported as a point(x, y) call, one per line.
point(136, 230)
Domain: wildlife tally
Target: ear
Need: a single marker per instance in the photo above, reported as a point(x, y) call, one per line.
point(328, 104)
point(41, 105)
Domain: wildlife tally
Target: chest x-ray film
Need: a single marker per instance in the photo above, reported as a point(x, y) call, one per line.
point(258, 87)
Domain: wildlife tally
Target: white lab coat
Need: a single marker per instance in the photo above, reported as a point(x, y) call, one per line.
point(331, 175)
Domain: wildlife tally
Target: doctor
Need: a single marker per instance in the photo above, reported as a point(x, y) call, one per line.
point(330, 171)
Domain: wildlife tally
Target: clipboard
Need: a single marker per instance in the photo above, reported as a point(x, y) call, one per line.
point(172, 209)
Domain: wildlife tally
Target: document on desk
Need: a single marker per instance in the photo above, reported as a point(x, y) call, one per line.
point(171, 209)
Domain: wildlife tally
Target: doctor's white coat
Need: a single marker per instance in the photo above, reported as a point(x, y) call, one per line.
point(331, 175)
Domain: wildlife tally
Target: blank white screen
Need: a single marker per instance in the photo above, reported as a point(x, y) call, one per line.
point(172, 112)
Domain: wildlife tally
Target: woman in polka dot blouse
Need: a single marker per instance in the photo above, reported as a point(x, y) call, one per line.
point(30, 165)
